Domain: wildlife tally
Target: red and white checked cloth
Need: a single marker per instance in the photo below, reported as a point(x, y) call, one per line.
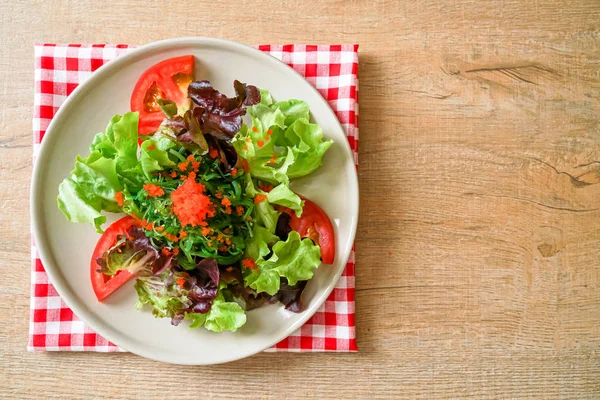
point(333, 70)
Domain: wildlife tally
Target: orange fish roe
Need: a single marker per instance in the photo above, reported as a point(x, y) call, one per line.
point(209, 244)
point(250, 264)
point(182, 234)
point(159, 228)
point(153, 190)
point(171, 237)
point(182, 166)
point(195, 165)
point(254, 129)
point(259, 198)
point(213, 153)
point(239, 210)
point(246, 147)
point(234, 172)
point(265, 188)
point(180, 282)
point(227, 241)
point(248, 140)
point(119, 198)
point(269, 132)
point(145, 224)
point(151, 147)
point(165, 252)
point(225, 202)
point(219, 194)
point(206, 231)
point(190, 158)
point(273, 158)
point(245, 166)
point(190, 204)
point(260, 143)
point(175, 251)
point(227, 231)
point(219, 238)
point(223, 248)
point(173, 174)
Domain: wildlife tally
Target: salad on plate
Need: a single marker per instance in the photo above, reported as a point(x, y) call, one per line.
point(212, 228)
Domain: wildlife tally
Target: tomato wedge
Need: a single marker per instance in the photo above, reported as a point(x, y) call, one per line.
point(314, 224)
point(104, 285)
point(169, 79)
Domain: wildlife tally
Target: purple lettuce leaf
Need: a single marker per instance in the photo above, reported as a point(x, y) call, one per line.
point(204, 283)
point(251, 299)
point(227, 154)
point(283, 228)
point(185, 129)
point(217, 114)
point(162, 264)
point(133, 252)
point(175, 292)
point(209, 268)
point(290, 295)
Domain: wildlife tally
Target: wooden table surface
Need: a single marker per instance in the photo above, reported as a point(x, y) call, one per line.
point(478, 250)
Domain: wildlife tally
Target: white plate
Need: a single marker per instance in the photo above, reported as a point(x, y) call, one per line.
point(65, 248)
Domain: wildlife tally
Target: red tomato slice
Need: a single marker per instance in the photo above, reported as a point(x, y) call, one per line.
point(104, 285)
point(314, 224)
point(168, 79)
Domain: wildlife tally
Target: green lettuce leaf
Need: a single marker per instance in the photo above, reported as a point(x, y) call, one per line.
point(265, 118)
point(266, 162)
point(293, 110)
point(99, 181)
point(248, 138)
point(153, 158)
point(257, 246)
point(295, 259)
point(77, 206)
point(111, 165)
point(103, 146)
point(282, 195)
point(264, 213)
point(107, 168)
point(267, 215)
point(90, 189)
point(126, 137)
point(166, 299)
point(281, 144)
point(265, 97)
point(305, 140)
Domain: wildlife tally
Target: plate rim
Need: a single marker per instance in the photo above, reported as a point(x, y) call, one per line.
point(97, 324)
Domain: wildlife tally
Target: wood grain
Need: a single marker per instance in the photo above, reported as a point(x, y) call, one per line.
point(478, 252)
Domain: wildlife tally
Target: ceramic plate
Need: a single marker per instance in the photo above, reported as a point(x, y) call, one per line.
point(65, 248)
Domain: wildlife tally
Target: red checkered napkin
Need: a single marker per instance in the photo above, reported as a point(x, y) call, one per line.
point(333, 70)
